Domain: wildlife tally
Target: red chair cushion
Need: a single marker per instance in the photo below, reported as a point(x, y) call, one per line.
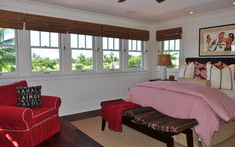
point(42, 114)
point(9, 94)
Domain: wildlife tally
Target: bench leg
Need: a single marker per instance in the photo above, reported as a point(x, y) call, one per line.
point(189, 136)
point(170, 142)
point(103, 124)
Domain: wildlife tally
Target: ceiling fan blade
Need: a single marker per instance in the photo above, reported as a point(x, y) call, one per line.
point(121, 1)
point(160, 1)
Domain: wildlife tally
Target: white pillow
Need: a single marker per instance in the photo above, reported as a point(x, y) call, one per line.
point(195, 81)
point(213, 74)
point(187, 70)
point(221, 78)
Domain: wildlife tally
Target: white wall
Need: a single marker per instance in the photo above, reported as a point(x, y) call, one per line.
point(79, 92)
point(190, 26)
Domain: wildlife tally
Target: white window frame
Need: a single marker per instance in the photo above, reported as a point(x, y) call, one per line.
point(46, 47)
point(113, 49)
point(170, 51)
point(142, 51)
point(82, 49)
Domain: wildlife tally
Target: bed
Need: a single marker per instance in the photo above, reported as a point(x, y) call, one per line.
point(225, 130)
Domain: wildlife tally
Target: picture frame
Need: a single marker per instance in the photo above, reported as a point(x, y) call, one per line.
point(217, 40)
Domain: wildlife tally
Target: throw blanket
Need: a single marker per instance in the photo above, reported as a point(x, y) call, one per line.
point(112, 113)
point(182, 100)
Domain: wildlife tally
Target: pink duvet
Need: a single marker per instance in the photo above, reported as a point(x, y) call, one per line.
point(209, 106)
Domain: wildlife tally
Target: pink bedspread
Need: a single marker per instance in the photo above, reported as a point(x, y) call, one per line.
point(209, 106)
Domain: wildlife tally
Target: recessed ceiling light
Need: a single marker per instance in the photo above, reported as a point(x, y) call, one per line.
point(191, 12)
point(233, 3)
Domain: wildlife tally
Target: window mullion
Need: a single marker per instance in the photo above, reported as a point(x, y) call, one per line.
point(49, 39)
point(107, 43)
point(174, 45)
point(168, 45)
point(85, 41)
point(113, 44)
point(77, 36)
point(24, 55)
point(143, 55)
point(40, 42)
point(99, 52)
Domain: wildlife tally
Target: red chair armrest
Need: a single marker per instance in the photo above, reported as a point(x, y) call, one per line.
point(15, 116)
point(50, 101)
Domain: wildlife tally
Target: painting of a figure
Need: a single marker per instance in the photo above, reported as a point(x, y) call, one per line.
point(217, 41)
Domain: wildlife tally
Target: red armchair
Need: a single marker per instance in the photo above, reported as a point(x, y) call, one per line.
point(26, 127)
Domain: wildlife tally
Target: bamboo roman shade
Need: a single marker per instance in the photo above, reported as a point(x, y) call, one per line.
point(16, 20)
point(114, 31)
point(169, 34)
point(9, 19)
point(79, 27)
point(44, 23)
point(138, 34)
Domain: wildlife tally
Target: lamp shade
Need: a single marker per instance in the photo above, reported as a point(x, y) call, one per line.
point(164, 59)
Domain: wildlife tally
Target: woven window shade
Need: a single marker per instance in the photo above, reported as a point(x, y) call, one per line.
point(79, 27)
point(169, 34)
point(44, 23)
point(114, 31)
point(138, 34)
point(16, 20)
point(9, 19)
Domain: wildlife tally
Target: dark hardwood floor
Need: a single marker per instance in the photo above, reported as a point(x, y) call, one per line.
point(71, 136)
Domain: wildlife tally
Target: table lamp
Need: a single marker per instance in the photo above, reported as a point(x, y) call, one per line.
point(163, 60)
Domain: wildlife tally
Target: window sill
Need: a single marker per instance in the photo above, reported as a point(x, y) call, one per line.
point(74, 74)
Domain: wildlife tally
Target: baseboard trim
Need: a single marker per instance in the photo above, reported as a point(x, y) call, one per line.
point(83, 115)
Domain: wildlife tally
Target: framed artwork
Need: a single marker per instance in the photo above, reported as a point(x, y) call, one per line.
point(217, 41)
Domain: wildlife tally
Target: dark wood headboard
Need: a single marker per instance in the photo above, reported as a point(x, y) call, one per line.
point(227, 61)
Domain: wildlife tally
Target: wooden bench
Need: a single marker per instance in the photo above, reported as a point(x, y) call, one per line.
point(156, 124)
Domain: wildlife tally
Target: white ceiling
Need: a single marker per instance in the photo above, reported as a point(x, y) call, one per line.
point(148, 10)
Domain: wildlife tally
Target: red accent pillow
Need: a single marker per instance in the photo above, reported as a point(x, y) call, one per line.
point(220, 65)
point(200, 71)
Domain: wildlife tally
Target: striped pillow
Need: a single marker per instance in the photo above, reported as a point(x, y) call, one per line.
point(221, 75)
point(187, 70)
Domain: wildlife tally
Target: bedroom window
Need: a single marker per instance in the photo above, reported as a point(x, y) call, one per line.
point(82, 52)
point(172, 47)
point(111, 53)
point(7, 50)
point(135, 54)
point(45, 51)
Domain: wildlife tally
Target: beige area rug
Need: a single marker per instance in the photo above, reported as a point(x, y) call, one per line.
point(127, 138)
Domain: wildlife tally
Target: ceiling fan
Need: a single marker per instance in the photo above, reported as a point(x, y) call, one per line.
point(120, 1)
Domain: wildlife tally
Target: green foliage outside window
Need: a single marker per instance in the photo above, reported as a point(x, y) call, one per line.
point(134, 61)
point(82, 63)
point(110, 61)
point(44, 64)
point(7, 53)
point(7, 60)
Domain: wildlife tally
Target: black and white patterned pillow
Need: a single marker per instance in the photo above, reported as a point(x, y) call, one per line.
point(29, 97)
